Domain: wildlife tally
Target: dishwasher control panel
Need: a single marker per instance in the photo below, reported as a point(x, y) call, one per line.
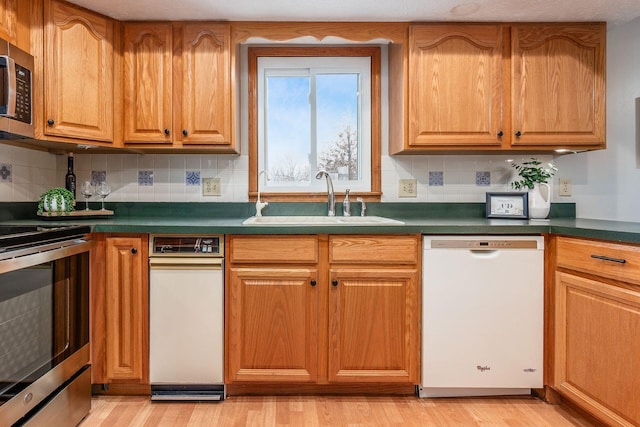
point(186, 245)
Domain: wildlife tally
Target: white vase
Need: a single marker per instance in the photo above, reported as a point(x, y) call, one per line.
point(54, 204)
point(539, 201)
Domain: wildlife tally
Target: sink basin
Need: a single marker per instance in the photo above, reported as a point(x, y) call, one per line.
point(320, 220)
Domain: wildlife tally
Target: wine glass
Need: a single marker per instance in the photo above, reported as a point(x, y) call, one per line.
point(87, 191)
point(103, 191)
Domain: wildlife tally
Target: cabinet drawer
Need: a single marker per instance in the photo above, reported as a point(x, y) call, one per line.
point(373, 249)
point(611, 260)
point(273, 249)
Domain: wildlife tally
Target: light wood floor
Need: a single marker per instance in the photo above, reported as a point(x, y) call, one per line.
point(330, 411)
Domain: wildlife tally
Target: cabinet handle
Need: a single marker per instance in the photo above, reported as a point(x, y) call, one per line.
point(167, 132)
point(50, 122)
point(313, 283)
point(184, 132)
point(134, 251)
point(606, 258)
point(334, 282)
point(518, 134)
point(500, 133)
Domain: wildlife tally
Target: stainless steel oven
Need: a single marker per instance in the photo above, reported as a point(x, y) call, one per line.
point(44, 326)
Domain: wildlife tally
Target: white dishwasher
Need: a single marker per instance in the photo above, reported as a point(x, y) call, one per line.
point(482, 315)
point(186, 317)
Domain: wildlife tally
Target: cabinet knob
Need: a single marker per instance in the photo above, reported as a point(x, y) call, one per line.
point(167, 132)
point(334, 282)
point(184, 132)
point(500, 133)
point(50, 122)
point(134, 251)
point(518, 134)
point(313, 283)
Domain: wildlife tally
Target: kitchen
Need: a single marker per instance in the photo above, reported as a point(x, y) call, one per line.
point(602, 180)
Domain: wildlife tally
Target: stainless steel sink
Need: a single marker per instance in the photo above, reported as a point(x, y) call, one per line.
point(320, 220)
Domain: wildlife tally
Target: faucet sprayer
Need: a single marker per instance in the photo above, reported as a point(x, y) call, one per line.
point(259, 204)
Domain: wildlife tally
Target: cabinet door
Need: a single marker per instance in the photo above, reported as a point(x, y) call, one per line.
point(7, 20)
point(78, 76)
point(148, 95)
point(126, 310)
point(597, 348)
point(558, 94)
point(374, 325)
point(455, 85)
point(206, 85)
point(272, 324)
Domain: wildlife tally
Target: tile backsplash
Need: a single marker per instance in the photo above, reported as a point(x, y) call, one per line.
point(178, 177)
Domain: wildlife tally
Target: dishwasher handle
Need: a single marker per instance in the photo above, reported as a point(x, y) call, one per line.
point(178, 263)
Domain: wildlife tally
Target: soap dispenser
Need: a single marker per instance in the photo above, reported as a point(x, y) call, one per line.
point(346, 205)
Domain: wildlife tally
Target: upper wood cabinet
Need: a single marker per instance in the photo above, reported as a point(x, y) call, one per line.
point(456, 85)
point(558, 93)
point(148, 81)
point(78, 73)
point(480, 87)
point(177, 81)
point(8, 19)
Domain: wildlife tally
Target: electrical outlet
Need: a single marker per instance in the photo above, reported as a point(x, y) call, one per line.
point(564, 187)
point(211, 187)
point(407, 188)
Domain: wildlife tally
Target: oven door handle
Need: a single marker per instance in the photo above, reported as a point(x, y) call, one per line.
point(45, 253)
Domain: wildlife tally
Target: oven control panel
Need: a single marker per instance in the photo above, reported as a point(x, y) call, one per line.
point(186, 245)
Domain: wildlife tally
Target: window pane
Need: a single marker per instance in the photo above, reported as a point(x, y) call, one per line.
point(288, 129)
point(337, 125)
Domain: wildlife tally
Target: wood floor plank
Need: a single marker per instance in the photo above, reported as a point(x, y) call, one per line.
point(311, 411)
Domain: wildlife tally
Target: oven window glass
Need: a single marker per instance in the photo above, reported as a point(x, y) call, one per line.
point(43, 320)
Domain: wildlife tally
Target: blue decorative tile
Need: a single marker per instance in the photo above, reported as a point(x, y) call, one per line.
point(192, 178)
point(436, 179)
point(5, 172)
point(145, 178)
point(483, 178)
point(98, 177)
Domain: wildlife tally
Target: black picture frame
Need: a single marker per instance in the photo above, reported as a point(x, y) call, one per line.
point(508, 205)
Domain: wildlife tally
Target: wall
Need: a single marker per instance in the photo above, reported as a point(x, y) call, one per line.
point(606, 183)
point(452, 179)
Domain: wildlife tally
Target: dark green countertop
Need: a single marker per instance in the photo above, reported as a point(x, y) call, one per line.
point(424, 218)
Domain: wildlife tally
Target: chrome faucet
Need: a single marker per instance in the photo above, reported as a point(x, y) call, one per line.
point(363, 211)
point(331, 198)
point(259, 204)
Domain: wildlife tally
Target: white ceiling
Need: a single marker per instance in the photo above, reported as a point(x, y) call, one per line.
point(614, 12)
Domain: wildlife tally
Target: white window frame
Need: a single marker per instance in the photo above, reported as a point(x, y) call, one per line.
point(312, 66)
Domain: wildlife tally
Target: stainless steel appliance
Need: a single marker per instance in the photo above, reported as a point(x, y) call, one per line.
point(16, 67)
point(482, 315)
point(186, 317)
point(44, 326)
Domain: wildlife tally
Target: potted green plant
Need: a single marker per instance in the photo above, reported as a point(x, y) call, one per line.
point(59, 200)
point(533, 178)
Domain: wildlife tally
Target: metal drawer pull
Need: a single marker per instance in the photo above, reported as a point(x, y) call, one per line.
point(606, 258)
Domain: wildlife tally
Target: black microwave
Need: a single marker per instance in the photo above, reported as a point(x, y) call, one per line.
point(16, 111)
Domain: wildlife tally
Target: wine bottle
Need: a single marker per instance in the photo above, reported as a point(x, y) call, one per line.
point(70, 177)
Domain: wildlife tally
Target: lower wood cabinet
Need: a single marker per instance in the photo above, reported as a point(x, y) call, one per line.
point(322, 310)
point(120, 310)
point(597, 325)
